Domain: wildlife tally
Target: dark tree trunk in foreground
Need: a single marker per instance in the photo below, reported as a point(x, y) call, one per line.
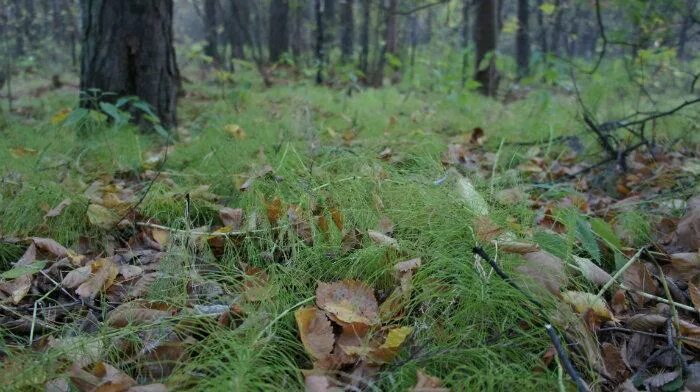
point(318, 7)
point(522, 39)
point(485, 41)
point(212, 48)
point(347, 30)
point(364, 36)
point(279, 36)
point(127, 50)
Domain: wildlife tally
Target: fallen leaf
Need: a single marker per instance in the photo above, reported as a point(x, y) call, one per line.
point(102, 217)
point(274, 210)
point(256, 284)
point(232, 217)
point(545, 270)
point(160, 236)
point(388, 350)
point(485, 229)
point(103, 272)
point(686, 237)
point(591, 271)
point(50, 246)
point(351, 301)
point(475, 202)
point(235, 130)
point(582, 302)
point(320, 383)
point(337, 218)
point(638, 277)
point(352, 240)
point(137, 312)
point(427, 383)
point(17, 288)
point(315, 331)
point(56, 211)
point(383, 239)
point(518, 248)
point(614, 362)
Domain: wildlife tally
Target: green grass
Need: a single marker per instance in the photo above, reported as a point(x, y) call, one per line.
point(468, 328)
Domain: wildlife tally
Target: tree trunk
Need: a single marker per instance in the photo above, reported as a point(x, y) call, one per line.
point(329, 21)
point(544, 48)
point(392, 42)
point(211, 32)
point(236, 27)
point(485, 41)
point(279, 37)
point(320, 57)
point(347, 31)
point(465, 39)
point(128, 50)
point(522, 39)
point(685, 26)
point(364, 36)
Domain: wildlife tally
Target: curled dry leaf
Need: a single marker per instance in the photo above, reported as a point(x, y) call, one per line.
point(17, 288)
point(103, 272)
point(56, 211)
point(315, 331)
point(383, 239)
point(686, 266)
point(638, 277)
point(583, 302)
point(350, 301)
point(102, 377)
point(686, 237)
point(50, 246)
point(518, 248)
point(591, 271)
point(76, 277)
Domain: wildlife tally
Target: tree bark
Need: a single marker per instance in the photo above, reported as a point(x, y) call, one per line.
point(211, 48)
point(364, 36)
point(685, 26)
point(485, 40)
point(236, 27)
point(522, 39)
point(544, 48)
point(329, 21)
point(347, 31)
point(320, 56)
point(279, 37)
point(128, 50)
point(465, 39)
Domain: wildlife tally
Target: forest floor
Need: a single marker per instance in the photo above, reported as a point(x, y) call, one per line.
point(299, 235)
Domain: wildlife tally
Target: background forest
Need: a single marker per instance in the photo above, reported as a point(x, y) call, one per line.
point(349, 195)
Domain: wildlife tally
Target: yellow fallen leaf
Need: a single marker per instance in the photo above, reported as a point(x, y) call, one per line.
point(582, 302)
point(236, 131)
point(102, 217)
point(60, 116)
point(315, 331)
point(350, 301)
point(104, 271)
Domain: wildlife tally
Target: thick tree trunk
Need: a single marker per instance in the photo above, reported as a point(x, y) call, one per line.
point(347, 30)
point(128, 50)
point(466, 5)
point(364, 36)
point(392, 38)
point(236, 27)
point(279, 36)
point(485, 40)
point(329, 21)
point(544, 48)
point(320, 56)
point(211, 32)
point(522, 39)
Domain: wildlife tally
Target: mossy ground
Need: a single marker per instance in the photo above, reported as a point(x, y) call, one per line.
point(323, 145)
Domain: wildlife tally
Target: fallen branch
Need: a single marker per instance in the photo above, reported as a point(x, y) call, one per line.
point(564, 358)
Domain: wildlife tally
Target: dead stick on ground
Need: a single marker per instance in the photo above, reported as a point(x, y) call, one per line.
point(565, 361)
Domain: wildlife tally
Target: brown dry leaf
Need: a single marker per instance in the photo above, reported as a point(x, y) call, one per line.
point(477, 137)
point(50, 246)
point(427, 383)
point(545, 270)
point(315, 331)
point(518, 248)
point(337, 218)
point(690, 330)
point(322, 224)
point(160, 236)
point(274, 210)
point(17, 288)
point(350, 301)
point(232, 217)
point(694, 293)
point(583, 302)
point(103, 272)
point(137, 312)
point(485, 229)
point(76, 277)
point(301, 227)
point(256, 284)
point(128, 271)
point(686, 237)
point(320, 383)
point(101, 378)
point(352, 240)
point(614, 362)
point(56, 211)
point(591, 271)
point(638, 277)
point(686, 266)
point(383, 239)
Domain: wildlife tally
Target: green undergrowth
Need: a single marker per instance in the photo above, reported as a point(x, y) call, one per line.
point(470, 328)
